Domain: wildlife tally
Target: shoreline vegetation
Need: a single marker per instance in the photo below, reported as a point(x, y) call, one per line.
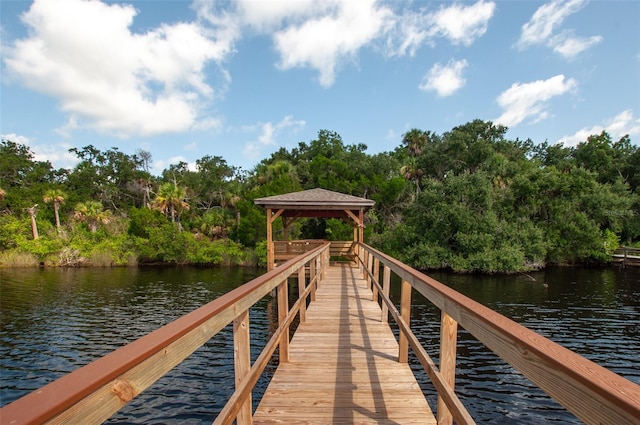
point(467, 200)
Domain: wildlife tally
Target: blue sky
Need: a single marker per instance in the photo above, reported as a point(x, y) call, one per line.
point(240, 79)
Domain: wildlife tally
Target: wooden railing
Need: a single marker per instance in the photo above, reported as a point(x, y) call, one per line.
point(286, 250)
point(96, 391)
point(627, 255)
point(592, 393)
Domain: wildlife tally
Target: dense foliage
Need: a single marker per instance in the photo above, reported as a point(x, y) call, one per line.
point(468, 200)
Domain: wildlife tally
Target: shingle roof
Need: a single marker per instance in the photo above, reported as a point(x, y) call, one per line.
point(318, 199)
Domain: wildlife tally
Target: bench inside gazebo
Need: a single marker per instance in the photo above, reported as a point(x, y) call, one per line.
point(319, 203)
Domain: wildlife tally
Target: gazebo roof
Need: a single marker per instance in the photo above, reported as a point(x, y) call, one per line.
point(315, 200)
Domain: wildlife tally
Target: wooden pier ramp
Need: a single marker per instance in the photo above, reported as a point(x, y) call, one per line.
point(343, 364)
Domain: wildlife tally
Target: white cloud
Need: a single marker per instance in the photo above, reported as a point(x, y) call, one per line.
point(521, 101)
point(268, 132)
point(109, 78)
point(546, 19)
point(445, 79)
point(460, 23)
point(324, 41)
point(463, 24)
point(323, 35)
point(570, 47)
point(622, 124)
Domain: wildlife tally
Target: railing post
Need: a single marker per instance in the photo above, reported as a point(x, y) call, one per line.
point(405, 313)
point(301, 287)
point(448, 342)
point(312, 275)
point(370, 268)
point(283, 309)
point(386, 282)
point(365, 266)
point(376, 275)
point(242, 361)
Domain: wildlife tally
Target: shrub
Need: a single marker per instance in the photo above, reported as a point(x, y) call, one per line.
point(16, 258)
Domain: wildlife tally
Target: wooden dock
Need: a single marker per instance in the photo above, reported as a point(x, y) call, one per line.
point(343, 364)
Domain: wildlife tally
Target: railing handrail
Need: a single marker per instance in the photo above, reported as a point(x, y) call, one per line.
point(591, 392)
point(107, 376)
point(624, 250)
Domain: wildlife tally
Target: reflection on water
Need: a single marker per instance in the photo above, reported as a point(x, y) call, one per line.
point(54, 320)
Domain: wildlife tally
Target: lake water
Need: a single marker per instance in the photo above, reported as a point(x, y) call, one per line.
point(55, 320)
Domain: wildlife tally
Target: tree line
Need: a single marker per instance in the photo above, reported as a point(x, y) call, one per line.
point(468, 200)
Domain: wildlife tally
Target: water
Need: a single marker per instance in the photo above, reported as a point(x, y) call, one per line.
point(594, 312)
point(55, 320)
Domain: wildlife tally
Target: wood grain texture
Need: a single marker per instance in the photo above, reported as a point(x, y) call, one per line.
point(343, 364)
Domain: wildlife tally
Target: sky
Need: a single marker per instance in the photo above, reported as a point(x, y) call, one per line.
point(185, 79)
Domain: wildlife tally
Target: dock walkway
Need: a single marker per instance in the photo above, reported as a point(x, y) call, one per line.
point(343, 366)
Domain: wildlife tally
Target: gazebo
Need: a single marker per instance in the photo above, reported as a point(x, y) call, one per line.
point(311, 203)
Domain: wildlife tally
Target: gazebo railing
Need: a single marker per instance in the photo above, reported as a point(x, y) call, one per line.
point(286, 250)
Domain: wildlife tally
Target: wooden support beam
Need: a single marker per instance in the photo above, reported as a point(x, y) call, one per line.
point(283, 310)
point(376, 276)
point(386, 283)
point(301, 287)
point(312, 279)
point(405, 313)
point(354, 217)
point(448, 342)
point(270, 248)
point(242, 362)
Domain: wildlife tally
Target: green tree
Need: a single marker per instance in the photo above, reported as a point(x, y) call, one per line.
point(142, 220)
point(22, 177)
point(112, 177)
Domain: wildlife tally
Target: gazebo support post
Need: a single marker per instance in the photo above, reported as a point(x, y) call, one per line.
point(270, 249)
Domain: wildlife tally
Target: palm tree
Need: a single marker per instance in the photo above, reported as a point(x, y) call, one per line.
point(34, 227)
point(412, 172)
point(91, 212)
point(416, 141)
point(57, 197)
point(171, 200)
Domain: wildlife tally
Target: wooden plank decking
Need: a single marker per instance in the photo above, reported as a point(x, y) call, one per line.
point(343, 366)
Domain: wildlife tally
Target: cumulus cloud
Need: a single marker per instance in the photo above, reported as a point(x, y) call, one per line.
point(459, 23)
point(445, 79)
point(521, 101)
point(324, 41)
point(108, 77)
point(324, 35)
point(268, 133)
point(621, 125)
point(463, 24)
point(570, 47)
point(546, 20)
